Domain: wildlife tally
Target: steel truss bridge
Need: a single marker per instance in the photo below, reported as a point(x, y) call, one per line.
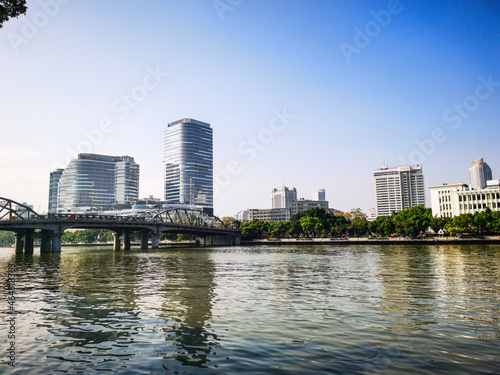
point(27, 224)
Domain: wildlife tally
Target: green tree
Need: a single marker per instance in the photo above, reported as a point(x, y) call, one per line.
point(184, 237)
point(412, 221)
point(382, 226)
point(253, 230)
point(231, 222)
point(279, 229)
point(68, 237)
point(10, 9)
point(354, 213)
point(6, 238)
point(494, 224)
point(310, 225)
point(463, 223)
point(339, 225)
point(438, 223)
point(168, 236)
point(358, 226)
point(481, 220)
point(105, 236)
point(295, 229)
point(87, 235)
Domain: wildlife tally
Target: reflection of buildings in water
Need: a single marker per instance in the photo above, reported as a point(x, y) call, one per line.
point(183, 286)
point(111, 300)
point(450, 290)
point(450, 271)
point(294, 273)
point(408, 276)
point(468, 280)
point(95, 302)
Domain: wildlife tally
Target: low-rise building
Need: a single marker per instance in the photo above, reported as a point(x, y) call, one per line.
point(319, 195)
point(243, 216)
point(270, 214)
point(306, 204)
point(449, 200)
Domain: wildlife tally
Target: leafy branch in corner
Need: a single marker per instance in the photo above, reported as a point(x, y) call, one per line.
point(10, 9)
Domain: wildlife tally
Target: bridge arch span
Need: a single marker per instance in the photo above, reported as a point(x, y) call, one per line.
point(12, 210)
point(188, 217)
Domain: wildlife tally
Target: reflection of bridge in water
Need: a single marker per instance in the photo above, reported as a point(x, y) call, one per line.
point(27, 224)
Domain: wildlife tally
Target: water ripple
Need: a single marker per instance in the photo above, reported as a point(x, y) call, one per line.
point(296, 309)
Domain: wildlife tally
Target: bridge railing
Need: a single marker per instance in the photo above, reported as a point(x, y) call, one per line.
point(91, 217)
point(14, 211)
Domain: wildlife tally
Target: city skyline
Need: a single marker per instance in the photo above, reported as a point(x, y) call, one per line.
point(316, 94)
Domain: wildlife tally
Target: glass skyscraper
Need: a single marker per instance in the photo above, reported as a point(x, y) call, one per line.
point(94, 181)
point(53, 189)
point(188, 159)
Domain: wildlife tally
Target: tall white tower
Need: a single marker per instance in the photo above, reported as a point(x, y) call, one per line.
point(282, 196)
point(479, 173)
point(398, 188)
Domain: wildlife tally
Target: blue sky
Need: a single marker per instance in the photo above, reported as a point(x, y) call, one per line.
point(423, 69)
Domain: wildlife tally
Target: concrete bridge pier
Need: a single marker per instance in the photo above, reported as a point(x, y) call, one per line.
point(117, 243)
point(19, 243)
point(126, 239)
point(45, 242)
point(28, 242)
point(156, 240)
point(144, 239)
point(56, 241)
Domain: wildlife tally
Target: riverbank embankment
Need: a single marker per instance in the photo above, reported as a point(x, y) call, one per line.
point(367, 241)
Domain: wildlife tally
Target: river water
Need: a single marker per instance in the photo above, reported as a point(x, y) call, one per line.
point(254, 310)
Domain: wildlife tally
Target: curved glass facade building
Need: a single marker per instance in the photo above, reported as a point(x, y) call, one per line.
point(188, 160)
point(93, 181)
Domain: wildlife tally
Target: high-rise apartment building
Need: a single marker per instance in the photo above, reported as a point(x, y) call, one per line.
point(479, 174)
point(94, 181)
point(53, 189)
point(398, 188)
point(282, 196)
point(188, 159)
